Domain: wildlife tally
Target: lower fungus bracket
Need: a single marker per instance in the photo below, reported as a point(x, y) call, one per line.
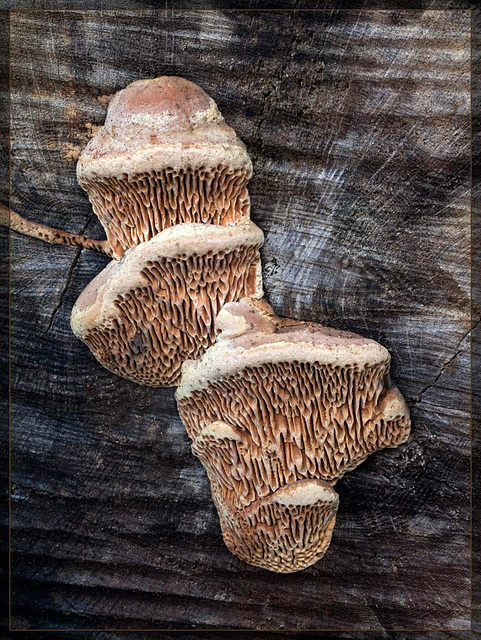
point(278, 411)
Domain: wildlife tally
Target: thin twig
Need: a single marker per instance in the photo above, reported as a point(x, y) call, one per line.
point(48, 234)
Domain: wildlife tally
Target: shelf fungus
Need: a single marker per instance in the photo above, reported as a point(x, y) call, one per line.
point(164, 156)
point(278, 411)
point(143, 315)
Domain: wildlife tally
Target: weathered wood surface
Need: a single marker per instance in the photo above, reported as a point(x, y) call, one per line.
point(4, 328)
point(476, 332)
point(358, 126)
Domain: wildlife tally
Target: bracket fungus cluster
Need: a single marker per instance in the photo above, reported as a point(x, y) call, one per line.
point(278, 410)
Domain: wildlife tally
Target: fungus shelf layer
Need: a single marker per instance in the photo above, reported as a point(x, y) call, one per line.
point(144, 315)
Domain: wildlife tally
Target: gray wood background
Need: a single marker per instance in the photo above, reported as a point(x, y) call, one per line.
point(358, 126)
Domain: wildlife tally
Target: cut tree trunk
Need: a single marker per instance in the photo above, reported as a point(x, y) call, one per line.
point(358, 126)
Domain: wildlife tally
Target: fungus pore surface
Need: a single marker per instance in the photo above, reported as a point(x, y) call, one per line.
point(164, 156)
point(275, 403)
point(144, 315)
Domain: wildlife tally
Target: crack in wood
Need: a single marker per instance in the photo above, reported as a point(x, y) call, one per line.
point(69, 277)
point(418, 398)
point(64, 290)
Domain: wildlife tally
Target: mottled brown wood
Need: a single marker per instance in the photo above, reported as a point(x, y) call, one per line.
point(358, 125)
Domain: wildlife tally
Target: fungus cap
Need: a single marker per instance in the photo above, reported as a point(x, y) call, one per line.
point(143, 315)
point(251, 335)
point(284, 529)
point(158, 123)
point(165, 156)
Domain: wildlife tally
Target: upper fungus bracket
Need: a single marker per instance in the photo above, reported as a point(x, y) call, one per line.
point(164, 156)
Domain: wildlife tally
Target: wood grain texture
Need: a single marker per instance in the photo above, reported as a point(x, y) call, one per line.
point(4, 277)
point(476, 333)
point(358, 126)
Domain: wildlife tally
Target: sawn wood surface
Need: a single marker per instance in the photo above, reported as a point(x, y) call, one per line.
point(358, 126)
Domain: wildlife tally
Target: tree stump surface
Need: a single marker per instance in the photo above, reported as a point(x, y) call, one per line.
point(359, 129)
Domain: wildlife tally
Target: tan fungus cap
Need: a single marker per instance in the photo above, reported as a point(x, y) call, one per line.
point(165, 122)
